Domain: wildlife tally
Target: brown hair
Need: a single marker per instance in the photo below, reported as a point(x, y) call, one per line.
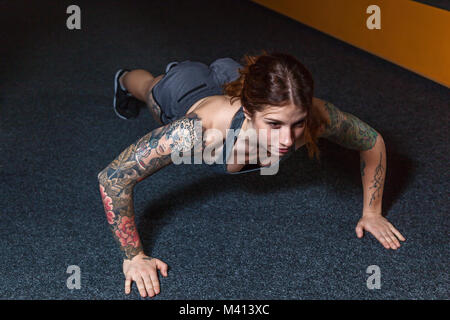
point(277, 79)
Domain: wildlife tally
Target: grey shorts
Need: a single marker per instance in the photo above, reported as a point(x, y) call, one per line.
point(188, 81)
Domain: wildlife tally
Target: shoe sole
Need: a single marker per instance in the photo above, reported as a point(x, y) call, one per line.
point(171, 65)
point(116, 81)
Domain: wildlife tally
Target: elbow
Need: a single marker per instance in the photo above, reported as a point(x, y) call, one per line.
point(106, 179)
point(101, 175)
point(373, 143)
point(374, 138)
point(379, 139)
point(378, 134)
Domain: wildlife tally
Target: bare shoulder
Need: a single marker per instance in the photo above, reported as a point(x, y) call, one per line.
point(322, 107)
point(217, 112)
point(329, 112)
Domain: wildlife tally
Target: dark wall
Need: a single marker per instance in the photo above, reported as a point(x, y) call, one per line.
point(443, 4)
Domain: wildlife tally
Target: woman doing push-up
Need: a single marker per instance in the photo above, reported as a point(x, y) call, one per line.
point(211, 111)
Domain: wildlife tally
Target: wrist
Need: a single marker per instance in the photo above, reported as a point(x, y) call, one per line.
point(372, 213)
point(131, 257)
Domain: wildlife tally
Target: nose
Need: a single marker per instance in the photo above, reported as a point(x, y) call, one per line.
point(286, 138)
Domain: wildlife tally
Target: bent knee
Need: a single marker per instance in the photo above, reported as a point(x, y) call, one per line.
point(149, 85)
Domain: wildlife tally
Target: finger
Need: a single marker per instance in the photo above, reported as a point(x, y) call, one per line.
point(382, 240)
point(397, 234)
point(359, 230)
point(394, 239)
point(127, 285)
point(389, 241)
point(155, 282)
point(163, 267)
point(140, 285)
point(148, 285)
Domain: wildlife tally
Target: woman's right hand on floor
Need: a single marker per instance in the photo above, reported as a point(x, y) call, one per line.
point(142, 269)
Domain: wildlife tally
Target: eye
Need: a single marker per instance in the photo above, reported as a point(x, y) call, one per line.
point(273, 124)
point(301, 124)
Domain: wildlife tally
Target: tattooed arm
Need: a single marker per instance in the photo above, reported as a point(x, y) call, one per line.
point(350, 132)
point(143, 158)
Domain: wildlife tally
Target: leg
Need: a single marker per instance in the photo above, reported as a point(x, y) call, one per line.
point(140, 84)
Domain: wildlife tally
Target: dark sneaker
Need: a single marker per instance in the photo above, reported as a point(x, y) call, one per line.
point(125, 105)
point(171, 65)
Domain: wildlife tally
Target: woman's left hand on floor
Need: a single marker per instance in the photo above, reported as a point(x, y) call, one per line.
point(381, 229)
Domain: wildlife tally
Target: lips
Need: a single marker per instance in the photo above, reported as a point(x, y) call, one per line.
point(279, 150)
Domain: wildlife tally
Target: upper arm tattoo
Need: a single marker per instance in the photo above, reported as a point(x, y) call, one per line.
point(141, 159)
point(153, 151)
point(347, 130)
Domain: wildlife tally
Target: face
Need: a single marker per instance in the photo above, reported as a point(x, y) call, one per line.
point(286, 124)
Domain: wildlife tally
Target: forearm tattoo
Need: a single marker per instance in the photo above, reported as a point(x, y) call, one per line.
point(143, 158)
point(348, 131)
point(377, 180)
point(362, 167)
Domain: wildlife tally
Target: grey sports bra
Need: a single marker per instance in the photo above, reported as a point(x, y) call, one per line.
point(236, 124)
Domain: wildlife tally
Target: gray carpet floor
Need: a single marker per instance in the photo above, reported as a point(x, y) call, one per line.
point(288, 236)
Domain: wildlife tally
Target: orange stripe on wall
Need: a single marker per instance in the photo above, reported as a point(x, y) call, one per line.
point(412, 35)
